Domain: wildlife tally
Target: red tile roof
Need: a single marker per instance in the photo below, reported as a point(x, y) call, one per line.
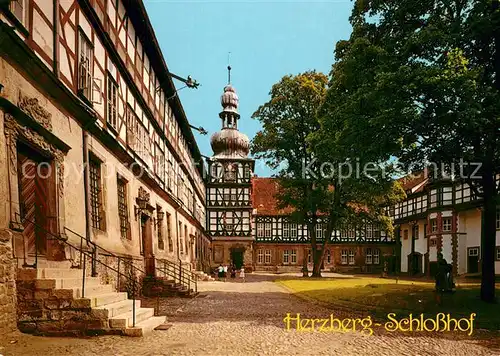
point(264, 200)
point(412, 180)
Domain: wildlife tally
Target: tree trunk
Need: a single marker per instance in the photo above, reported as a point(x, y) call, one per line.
point(305, 272)
point(318, 260)
point(488, 237)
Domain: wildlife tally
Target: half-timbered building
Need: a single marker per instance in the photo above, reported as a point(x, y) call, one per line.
point(281, 244)
point(96, 151)
point(440, 216)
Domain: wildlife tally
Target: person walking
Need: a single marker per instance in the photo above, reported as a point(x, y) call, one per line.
point(220, 273)
point(242, 274)
point(225, 272)
point(233, 271)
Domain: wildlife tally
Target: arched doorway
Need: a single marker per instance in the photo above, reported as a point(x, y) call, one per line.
point(237, 254)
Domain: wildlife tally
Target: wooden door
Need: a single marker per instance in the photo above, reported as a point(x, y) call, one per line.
point(473, 260)
point(34, 174)
point(147, 245)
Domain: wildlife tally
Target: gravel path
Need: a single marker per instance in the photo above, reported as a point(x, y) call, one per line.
point(247, 319)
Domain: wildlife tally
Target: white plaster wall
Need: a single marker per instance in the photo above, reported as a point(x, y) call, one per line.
point(462, 242)
point(421, 243)
point(447, 248)
point(432, 253)
point(473, 222)
point(111, 238)
point(446, 213)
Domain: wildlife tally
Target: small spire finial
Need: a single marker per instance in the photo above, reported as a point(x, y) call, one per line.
point(228, 68)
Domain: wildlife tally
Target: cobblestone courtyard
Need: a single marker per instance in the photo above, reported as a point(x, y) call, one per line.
point(235, 318)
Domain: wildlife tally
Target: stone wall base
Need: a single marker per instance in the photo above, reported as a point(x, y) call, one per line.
point(44, 310)
point(7, 284)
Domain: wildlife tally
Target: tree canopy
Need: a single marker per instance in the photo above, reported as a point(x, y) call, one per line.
point(320, 185)
point(419, 80)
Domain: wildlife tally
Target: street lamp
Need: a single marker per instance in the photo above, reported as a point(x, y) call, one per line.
point(200, 129)
point(141, 205)
point(159, 217)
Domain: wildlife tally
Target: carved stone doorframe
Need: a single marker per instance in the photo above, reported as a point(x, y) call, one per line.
point(15, 132)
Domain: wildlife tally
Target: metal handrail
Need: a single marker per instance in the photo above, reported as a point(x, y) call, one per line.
point(182, 272)
point(185, 276)
point(83, 255)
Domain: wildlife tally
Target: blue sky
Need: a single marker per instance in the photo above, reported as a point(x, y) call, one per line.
point(267, 40)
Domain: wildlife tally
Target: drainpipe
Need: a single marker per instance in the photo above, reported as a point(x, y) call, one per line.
point(86, 182)
point(177, 234)
point(178, 245)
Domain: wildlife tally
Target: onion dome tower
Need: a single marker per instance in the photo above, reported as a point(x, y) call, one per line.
point(229, 206)
point(229, 142)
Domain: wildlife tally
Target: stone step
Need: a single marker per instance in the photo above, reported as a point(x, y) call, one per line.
point(126, 320)
point(145, 326)
point(59, 273)
point(104, 299)
point(64, 283)
point(91, 290)
point(118, 308)
point(42, 263)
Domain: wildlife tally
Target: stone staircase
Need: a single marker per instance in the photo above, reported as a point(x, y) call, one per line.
point(166, 287)
point(50, 300)
point(202, 276)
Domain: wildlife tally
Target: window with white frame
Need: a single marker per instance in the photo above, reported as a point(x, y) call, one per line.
point(112, 102)
point(268, 229)
point(159, 163)
point(285, 256)
point(309, 256)
point(474, 251)
point(86, 60)
point(369, 233)
point(343, 257)
point(369, 256)
point(328, 257)
point(376, 256)
point(170, 172)
point(447, 224)
point(434, 225)
point(268, 256)
point(19, 9)
point(260, 229)
point(351, 257)
point(414, 231)
point(260, 256)
point(294, 256)
point(286, 230)
point(498, 253)
point(319, 231)
point(293, 231)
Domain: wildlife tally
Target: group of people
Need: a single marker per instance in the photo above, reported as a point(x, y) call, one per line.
point(222, 272)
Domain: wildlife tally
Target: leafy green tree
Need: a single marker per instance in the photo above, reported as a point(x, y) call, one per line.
point(324, 191)
point(420, 80)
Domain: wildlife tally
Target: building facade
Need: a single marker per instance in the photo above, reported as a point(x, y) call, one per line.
point(229, 189)
point(94, 143)
point(281, 245)
point(440, 216)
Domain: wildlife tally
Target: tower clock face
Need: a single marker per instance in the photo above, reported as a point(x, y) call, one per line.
point(231, 172)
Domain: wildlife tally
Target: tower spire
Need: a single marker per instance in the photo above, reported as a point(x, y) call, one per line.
point(229, 68)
